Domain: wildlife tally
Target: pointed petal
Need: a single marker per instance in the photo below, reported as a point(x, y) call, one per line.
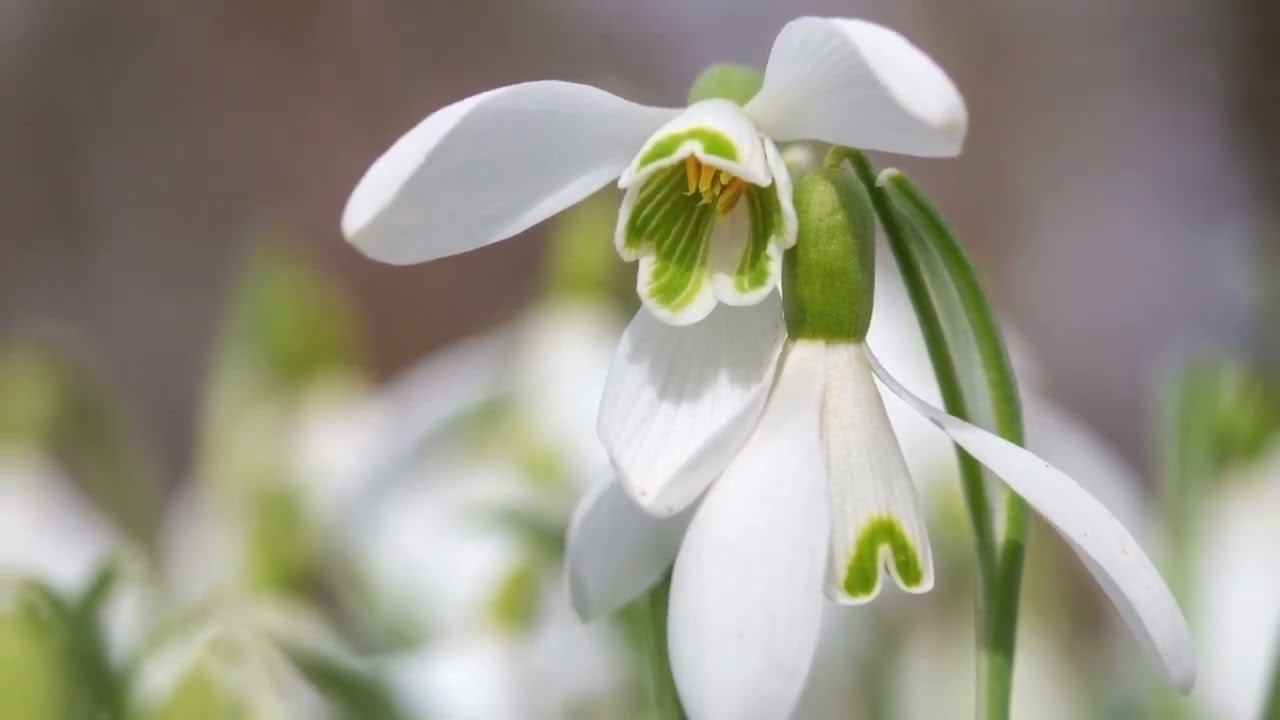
point(875, 517)
point(492, 165)
point(747, 245)
point(680, 401)
point(1110, 552)
point(746, 594)
point(615, 551)
point(855, 83)
point(715, 131)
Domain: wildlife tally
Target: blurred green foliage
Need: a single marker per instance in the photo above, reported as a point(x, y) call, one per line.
point(1219, 413)
point(61, 406)
point(53, 662)
point(288, 334)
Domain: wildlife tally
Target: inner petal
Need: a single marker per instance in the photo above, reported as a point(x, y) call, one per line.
point(717, 133)
point(875, 519)
point(708, 213)
point(748, 244)
point(669, 228)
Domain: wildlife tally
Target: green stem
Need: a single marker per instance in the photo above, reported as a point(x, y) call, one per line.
point(666, 699)
point(1008, 424)
point(999, 590)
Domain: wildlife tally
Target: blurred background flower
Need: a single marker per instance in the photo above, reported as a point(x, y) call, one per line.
point(246, 473)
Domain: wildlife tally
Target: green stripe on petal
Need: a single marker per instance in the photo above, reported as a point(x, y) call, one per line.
point(862, 575)
point(876, 523)
point(754, 271)
point(747, 252)
point(674, 227)
point(714, 143)
point(661, 202)
point(680, 260)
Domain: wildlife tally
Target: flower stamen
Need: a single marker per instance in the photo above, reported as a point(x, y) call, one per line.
point(720, 188)
point(706, 183)
point(729, 198)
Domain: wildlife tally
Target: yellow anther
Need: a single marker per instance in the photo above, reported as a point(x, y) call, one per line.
point(704, 180)
point(713, 185)
point(691, 169)
point(729, 198)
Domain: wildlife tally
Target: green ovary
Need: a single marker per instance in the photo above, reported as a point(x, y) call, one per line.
point(713, 142)
point(862, 577)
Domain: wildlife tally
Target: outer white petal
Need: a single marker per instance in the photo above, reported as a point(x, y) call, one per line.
point(855, 83)
point(489, 166)
point(1110, 552)
point(615, 551)
point(720, 116)
point(746, 595)
point(871, 491)
point(680, 401)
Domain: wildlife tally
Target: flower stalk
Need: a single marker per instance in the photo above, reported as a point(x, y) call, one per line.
point(905, 214)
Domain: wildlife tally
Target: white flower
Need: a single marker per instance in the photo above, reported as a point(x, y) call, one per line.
point(816, 499)
point(707, 210)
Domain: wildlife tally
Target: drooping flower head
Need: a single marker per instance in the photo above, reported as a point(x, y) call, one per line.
point(816, 501)
point(707, 211)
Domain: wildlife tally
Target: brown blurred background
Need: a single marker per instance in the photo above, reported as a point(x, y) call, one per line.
point(1118, 188)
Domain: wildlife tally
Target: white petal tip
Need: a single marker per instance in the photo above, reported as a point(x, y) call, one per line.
point(657, 505)
point(1183, 677)
point(852, 82)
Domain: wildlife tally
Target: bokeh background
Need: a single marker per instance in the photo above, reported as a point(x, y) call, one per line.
point(1119, 187)
point(1115, 187)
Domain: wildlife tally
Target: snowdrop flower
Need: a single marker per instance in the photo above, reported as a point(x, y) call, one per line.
point(817, 500)
point(707, 211)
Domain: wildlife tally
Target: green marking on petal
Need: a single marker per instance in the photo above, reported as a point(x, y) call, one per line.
point(680, 266)
point(713, 142)
point(676, 227)
point(862, 577)
point(764, 215)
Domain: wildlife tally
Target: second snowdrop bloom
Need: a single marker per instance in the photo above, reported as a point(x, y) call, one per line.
point(707, 211)
point(817, 501)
